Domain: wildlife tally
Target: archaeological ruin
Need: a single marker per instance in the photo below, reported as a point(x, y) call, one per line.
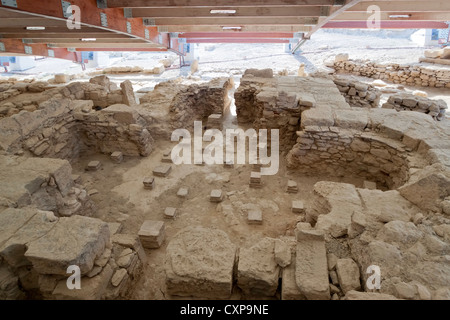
point(102, 199)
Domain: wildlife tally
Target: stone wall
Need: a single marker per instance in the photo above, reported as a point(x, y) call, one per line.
point(102, 93)
point(62, 127)
point(358, 94)
point(116, 128)
point(425, 75)
point(11, 89)
point(177, 104)
point(409, 102)
point(277, 103)
point(350, 152)
point(378, 144)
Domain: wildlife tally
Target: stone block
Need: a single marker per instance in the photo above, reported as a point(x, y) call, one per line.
point(61, 78)
point(255, 180)
point(298, 206)
point(216, 195)
point(128, 93)
point(254, 216)
point(311, 268)
point(183, 192)
point(292, 186)
point(200, 263)
point(73, 241)
point(152, 234)
point(162, 171)
point(348, 275)
point(258, 272)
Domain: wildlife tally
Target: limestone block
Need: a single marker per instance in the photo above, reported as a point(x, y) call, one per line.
point(61, 78)
point(149, 183)
point(258, 272)
point(262, 73)
point(91, 288)
point(342, 57)
point(73, 241)
point(216, 195)
point(128, 93)
point(170, 213)
point(152, 234)
point(122, 113)
point(162, 171)
point(298, 206)
point(199, 263)
point(433, 53)
point(183, 192)
point(289, 288)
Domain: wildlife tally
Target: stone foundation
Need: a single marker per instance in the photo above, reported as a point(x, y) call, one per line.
point(424, 75)
point(408, 102)
point(358, 94)
point(277, 103)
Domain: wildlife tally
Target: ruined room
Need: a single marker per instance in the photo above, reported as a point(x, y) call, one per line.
point(224, 150)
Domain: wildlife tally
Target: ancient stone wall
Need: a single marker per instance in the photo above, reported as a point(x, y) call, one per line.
point(358, 94)
point(63, 125)
point(424, 75)
point(199, 101)
point(48, 132)
point(46, 184)
point(408, 102)
point(277, 103)
point(382, 145)
point(116, 128)
point(350, 152)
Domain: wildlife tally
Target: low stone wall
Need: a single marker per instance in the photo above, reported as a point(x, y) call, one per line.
point(100, 90)
point(415, 75)
point(200, 101)
point(48, 132)
point(358, 94)
point(409, 102)
point(377, 144)
point(116, 128)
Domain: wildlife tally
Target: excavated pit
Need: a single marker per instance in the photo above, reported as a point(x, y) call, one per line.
point(357, 186)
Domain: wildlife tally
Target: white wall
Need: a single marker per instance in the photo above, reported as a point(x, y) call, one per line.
point(22, 63)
